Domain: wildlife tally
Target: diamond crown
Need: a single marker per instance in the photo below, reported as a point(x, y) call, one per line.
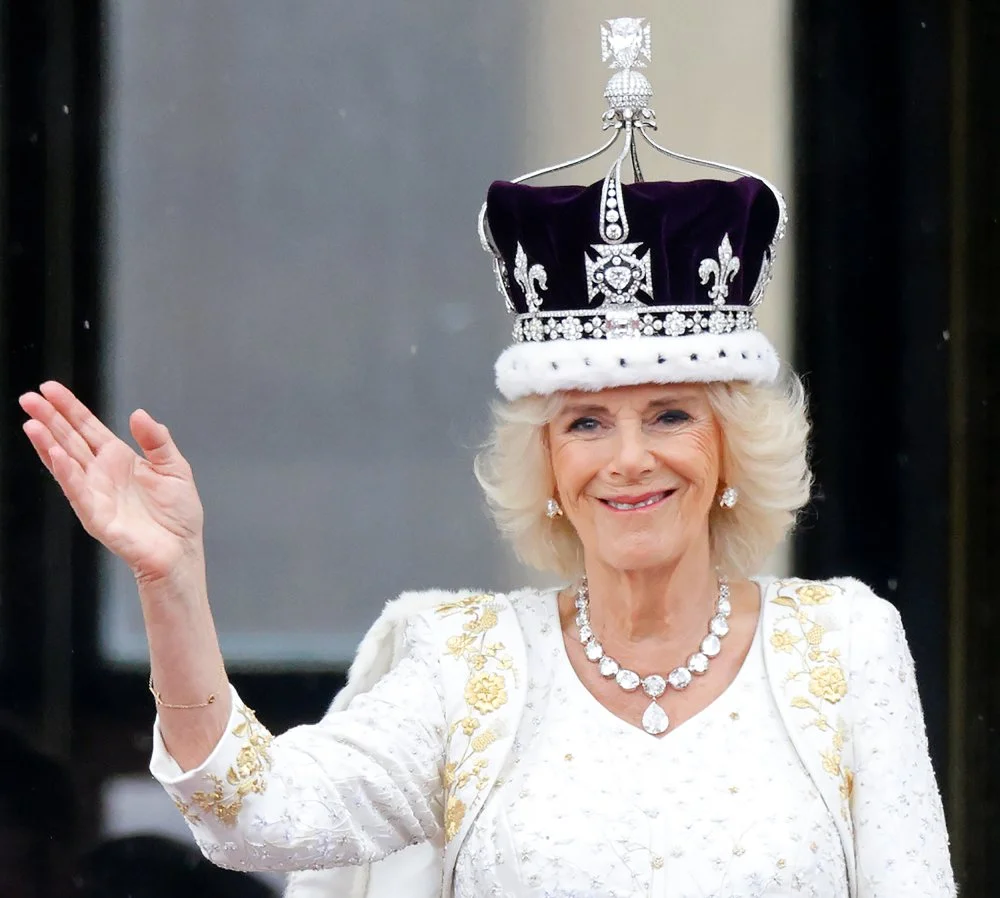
point(621, 293)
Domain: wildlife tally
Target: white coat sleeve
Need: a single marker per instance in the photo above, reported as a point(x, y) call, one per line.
point(901, 842)
point(359, 785)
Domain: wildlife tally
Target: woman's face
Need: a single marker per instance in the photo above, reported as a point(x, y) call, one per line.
point(637, 470)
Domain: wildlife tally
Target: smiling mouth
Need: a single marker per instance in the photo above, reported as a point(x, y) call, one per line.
point(639, 503)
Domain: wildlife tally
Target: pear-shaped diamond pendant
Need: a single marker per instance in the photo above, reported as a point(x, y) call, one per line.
point(655, 720)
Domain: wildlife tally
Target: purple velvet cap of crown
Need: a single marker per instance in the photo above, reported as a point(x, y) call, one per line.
point(696, 259)
point(680, 223)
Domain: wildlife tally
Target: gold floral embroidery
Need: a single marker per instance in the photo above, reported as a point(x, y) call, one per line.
point(454, 814)
point(458, 644)
point(828, 683)
point(185, 810)
point(814, 636)
point(831, 762)
point(487, 620)
point(847, 786)
point(446, 608)
point(814, 594)
point(783, 641)
point(483, 741)
point(245, 777)
point(820, 670)
point(485, 693)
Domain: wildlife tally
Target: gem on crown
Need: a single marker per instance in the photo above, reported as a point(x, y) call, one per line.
point(618, 274)
point(628, 41)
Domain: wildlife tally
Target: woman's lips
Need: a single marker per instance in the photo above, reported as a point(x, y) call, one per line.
point(641, 502)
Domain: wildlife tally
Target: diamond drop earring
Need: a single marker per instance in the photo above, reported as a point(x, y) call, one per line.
point(730, 496)
point(553, 509)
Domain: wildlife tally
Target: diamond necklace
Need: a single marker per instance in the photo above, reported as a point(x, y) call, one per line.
point(654, 720)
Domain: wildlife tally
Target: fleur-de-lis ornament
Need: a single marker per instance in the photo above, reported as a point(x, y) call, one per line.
point(527, 277)
point(723, 271)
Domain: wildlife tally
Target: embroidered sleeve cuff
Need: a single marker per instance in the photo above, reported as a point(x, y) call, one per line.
point(238, 766)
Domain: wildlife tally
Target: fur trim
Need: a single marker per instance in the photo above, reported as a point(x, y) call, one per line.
point(380, 647)
point(544, 368)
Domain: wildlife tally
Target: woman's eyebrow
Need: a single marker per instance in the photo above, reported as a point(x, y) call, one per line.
point(669, 400)
point(577, 409)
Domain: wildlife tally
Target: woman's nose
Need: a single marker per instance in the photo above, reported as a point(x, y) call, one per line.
point(633, 457)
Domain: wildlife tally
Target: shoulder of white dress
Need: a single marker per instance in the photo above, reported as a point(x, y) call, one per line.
point(844, 598)
point(866, 606)
point(527, 595)
point(379, 648)
point(427, 604)
point(415, 601)
point(858, 593)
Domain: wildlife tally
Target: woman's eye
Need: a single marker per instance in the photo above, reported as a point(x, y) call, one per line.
point(584, 424)
point(674, 416)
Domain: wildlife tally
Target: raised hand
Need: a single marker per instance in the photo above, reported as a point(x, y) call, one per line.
point(144, 509)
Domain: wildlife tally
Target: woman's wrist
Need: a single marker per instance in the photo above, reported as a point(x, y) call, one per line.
point(185, 584)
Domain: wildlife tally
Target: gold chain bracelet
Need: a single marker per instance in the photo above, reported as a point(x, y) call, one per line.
point(159, 698)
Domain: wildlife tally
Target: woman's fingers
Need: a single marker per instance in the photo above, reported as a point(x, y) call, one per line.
point(71, 479)
point(82, 419)
point(64, 469)
point(60, 430)
point(155, 441)
point(42, 441)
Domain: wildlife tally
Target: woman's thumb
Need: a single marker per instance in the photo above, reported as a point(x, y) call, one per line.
point(153, 438)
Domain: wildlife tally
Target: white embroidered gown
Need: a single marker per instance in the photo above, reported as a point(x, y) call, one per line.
point(721, 807)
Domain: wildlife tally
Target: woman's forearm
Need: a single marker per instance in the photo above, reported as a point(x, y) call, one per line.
point(186, 662)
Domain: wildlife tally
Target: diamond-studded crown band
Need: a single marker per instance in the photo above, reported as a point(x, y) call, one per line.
point(646, 321)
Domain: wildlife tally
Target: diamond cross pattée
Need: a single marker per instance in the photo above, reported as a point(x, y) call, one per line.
point(628, 41)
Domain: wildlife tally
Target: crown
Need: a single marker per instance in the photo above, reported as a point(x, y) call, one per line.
point(622, 283)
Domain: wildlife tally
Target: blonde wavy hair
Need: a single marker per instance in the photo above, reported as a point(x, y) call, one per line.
point(765, 432)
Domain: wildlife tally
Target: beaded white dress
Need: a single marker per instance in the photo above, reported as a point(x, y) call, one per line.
point(718, 808)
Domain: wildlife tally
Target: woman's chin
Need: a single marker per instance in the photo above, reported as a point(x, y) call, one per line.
point(637, 557)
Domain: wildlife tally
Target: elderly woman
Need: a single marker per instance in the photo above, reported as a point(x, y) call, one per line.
point(666, 724)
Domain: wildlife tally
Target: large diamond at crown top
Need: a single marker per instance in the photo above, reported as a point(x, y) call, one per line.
point(627, 40)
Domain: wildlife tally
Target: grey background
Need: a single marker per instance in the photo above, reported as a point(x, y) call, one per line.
point(296, 288)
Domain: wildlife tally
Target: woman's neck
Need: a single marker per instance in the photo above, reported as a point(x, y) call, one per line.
point(655, 604)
